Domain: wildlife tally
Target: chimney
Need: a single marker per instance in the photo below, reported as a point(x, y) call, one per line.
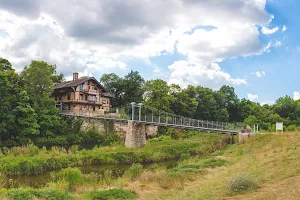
point(75, 76)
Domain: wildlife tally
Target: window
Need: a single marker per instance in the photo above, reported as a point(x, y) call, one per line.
point(103, 101)
point(81, 87)
point(80, 97)
point(69, 96)
point(86, 97)
point(69, 107)
point(87, 107)
point(80, 107)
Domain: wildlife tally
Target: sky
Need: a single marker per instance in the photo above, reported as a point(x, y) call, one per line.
point(252, 45)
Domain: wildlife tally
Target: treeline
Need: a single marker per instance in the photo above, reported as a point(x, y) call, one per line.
point(202, 103)
point(28, 113)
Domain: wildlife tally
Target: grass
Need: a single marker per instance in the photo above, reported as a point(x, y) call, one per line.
point(257, 169)
point(112, 194)
point(29, 194)
point(266, 166)
point(21, 161)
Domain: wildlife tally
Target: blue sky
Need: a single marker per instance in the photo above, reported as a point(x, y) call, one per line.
point(252, 45)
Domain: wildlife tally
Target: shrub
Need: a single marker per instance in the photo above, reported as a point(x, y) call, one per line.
point(134, 171)
point(242, 183)
point(29, 193)
point(107, 177)
point(72, 175)
point(292, 128)
point(112, 194)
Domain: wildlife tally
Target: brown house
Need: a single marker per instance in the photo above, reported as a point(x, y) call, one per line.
point(82, 94)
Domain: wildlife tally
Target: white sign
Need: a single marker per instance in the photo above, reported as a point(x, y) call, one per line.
point(279, 126)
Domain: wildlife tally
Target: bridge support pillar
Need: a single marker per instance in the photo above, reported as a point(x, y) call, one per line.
point(135, 134)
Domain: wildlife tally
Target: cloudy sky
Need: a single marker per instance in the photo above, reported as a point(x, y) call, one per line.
point(252, 45)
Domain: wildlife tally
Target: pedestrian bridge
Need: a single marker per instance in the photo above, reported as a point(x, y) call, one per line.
point(138, 116)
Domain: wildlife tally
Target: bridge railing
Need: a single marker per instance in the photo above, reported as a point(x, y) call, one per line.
point(180, 121)
point(150, 115)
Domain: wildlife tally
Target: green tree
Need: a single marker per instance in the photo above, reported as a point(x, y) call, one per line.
point(183, 104)
point(25, 116)
point(133, 87)
point(38, 78)
point(157, 94)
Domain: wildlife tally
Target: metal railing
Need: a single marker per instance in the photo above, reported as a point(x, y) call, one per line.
point(148, 115)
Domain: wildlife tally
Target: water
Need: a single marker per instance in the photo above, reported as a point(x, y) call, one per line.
point(40, 180)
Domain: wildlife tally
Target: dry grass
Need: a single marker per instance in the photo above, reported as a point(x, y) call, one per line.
point(273, 159)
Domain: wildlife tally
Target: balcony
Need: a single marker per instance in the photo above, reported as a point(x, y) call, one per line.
point(90, 91)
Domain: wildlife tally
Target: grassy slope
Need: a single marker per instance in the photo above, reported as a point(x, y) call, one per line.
point(273, 159)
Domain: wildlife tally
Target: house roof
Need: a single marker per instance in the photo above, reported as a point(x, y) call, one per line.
point(108, 94)
point(67, 84)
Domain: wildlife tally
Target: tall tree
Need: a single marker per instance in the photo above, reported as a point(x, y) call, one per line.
point(157, 94)
point(25, 117)
point(38, 78)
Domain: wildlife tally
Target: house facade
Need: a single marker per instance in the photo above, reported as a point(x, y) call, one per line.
point(82, 94)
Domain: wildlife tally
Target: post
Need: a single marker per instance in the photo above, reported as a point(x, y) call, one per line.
point(167, 120)
point(207, 123)
point(257, 128)
point(254, 129)
point(202, 123)
point(198, 123)
point(132, 107)
point(140, 111)
point(152, 115)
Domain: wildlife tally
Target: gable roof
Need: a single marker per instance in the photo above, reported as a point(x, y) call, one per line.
point(68, 84)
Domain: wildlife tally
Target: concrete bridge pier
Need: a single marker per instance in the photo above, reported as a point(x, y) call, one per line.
point(135, 135)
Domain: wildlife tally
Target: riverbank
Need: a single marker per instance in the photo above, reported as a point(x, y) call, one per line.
point(260, 168)
point(32, 160)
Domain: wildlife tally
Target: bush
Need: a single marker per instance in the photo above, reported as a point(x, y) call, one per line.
point(292, 128)
point(242, 183)
point(134, 171)
point(112, 194)
point(29, 193)
point(72, 175)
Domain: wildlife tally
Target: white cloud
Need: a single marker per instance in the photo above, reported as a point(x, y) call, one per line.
point(284, 28)
point(186, 73)
point(252, 97)
point(296, 95)
point(102, 35)
point(267, 102)
point(278, 43)
point(268, 31)
point(259, 73)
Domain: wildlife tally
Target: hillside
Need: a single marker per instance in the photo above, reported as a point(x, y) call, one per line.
point(273, 160)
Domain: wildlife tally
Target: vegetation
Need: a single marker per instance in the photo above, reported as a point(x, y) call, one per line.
point(31, 160)
point(258, 169)
point(112, 194)
point(242, 183)
point(30, 193)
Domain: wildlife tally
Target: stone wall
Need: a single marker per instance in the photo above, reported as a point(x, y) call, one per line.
point(103, 126)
